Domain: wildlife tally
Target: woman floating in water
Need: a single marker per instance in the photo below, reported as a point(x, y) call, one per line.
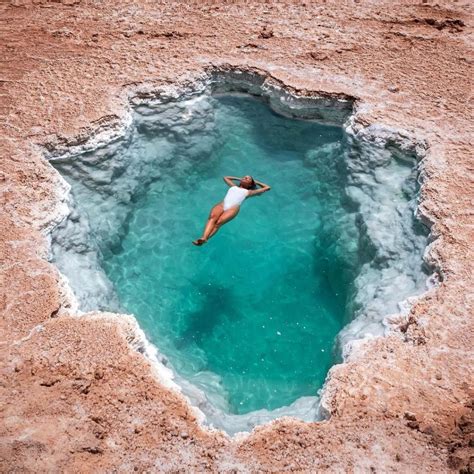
point(227, 209)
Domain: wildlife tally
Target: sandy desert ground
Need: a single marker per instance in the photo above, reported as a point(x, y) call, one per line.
point(75, 395)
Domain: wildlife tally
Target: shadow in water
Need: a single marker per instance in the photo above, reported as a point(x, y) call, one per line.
point(218, 305)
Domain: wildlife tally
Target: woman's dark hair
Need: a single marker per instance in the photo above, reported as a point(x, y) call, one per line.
point(254, 185)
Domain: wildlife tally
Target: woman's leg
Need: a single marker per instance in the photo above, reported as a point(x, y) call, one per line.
point(225, 217)
point(214, 215)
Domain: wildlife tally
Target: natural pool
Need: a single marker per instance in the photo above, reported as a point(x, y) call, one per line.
point(259, 305)
point(252, 317)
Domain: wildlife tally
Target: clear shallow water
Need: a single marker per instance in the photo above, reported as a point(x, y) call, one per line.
point(251, 317)
point(254, 305)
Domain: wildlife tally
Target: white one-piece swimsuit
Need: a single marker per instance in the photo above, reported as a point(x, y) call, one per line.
point(235, 197)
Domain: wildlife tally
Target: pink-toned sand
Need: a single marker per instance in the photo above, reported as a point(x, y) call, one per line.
point(74, 394)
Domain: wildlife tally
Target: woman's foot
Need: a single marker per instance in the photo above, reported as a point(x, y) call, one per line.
point(199, 242)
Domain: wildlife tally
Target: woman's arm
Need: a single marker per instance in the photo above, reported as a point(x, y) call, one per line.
point(262, 185)
point(230, 180)
point(263, 188)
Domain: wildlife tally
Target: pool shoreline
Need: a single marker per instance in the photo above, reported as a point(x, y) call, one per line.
point(285, 101)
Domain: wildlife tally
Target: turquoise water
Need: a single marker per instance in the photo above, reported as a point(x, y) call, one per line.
point(259, 306)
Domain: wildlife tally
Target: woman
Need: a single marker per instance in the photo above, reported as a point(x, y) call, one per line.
point(227, 209)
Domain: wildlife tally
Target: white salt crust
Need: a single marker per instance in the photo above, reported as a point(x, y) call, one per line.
point(386, 285)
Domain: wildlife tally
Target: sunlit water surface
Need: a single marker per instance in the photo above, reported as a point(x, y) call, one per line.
point(261, 303)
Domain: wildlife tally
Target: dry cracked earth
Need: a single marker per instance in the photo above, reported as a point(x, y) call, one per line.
point(75, 395)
